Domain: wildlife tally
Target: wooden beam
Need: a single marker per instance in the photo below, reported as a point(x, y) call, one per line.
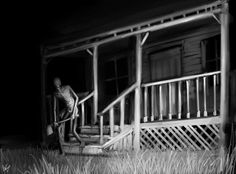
point(185, 122)
point(179, 100)
point(111, 121)
point(180, 79)
point(82, 115)
point(122, 114)
point(225, 60)
point(145, 118)
point(101, 129)
point(137, 114)
point(95, 84)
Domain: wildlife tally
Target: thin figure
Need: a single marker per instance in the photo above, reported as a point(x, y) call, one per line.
point(66, 94)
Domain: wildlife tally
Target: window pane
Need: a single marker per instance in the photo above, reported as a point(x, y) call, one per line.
point(109, 70)
point(122, 67)
point(122, 84)
point(218, 46)
point(213, 48)
point(111, 88)
point(218, 65)
point(211, 66)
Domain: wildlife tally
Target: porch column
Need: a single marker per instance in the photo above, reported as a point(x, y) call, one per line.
point(43, 100)
point(95, 84)
point(225, 61)
point(138, 93)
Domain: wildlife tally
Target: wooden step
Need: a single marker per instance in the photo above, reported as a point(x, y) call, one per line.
point(88, 139)
point(93, 139)
point(92, 149)
point(95, 130)
point(72, 148)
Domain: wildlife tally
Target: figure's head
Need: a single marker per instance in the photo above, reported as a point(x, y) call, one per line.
point(57, 82)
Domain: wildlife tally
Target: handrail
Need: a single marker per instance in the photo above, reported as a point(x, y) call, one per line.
point(118, 137)
point(86, 98)
point(180, 79)
point(127, 91)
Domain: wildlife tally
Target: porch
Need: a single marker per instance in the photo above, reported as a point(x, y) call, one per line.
point(175, 113)
point(178, 120)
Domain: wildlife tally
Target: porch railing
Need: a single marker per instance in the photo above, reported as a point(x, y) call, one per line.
point(81, 106)
point(120, 100)
point(185, 97)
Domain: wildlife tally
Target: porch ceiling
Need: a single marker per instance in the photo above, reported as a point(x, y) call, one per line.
point(160, 22)
point(106, 16)
point(182, 30)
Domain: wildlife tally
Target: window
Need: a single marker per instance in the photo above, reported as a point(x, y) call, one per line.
point(116, 76)
point(211, 54)
point(211, 57)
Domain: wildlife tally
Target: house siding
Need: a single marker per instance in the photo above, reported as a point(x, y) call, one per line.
point(191, 58)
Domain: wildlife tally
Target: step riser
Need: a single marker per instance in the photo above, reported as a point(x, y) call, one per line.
point(96, 130)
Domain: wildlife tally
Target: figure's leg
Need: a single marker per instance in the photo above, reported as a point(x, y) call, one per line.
point(71, 137)
point(75, 125)
point(60, 137)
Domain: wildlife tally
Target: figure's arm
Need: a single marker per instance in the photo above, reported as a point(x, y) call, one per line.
point(76, 99)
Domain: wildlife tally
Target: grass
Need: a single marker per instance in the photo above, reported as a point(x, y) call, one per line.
point(38, 161)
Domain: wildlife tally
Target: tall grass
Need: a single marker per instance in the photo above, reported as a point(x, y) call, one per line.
point(37, 161)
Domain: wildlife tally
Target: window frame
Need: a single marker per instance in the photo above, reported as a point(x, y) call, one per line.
point(116, 77)
point(217, 57)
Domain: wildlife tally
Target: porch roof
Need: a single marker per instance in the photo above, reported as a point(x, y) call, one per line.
point(104, 19)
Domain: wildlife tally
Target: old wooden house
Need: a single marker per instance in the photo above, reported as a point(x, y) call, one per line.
point(159, 81)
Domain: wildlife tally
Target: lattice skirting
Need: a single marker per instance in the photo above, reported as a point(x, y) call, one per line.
point(195, 137)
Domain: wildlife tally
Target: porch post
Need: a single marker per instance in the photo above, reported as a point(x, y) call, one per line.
point(138, 93)
point(43, 99)
point(225, 60)
point(95, 84)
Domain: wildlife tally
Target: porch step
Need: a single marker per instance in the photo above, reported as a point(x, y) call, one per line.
point(95, 130)
point(93, 139)
point(75, 148)
point(90, 136)
point(92, 149)
point(72, 148)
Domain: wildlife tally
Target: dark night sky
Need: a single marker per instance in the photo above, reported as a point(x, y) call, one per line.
point(25, 26)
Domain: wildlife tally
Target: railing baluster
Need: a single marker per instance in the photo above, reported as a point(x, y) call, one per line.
point(82, 114)
point(214, 88)
point(170, 102)
point(111, 114)
point(179, 100)
point(145, 119)
point(153, 102)
point(171, 96)
point(204, 99)
point(188, 102)
point(101, 129)
point(122, 114)
point(197, 93)
point(160, 103)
